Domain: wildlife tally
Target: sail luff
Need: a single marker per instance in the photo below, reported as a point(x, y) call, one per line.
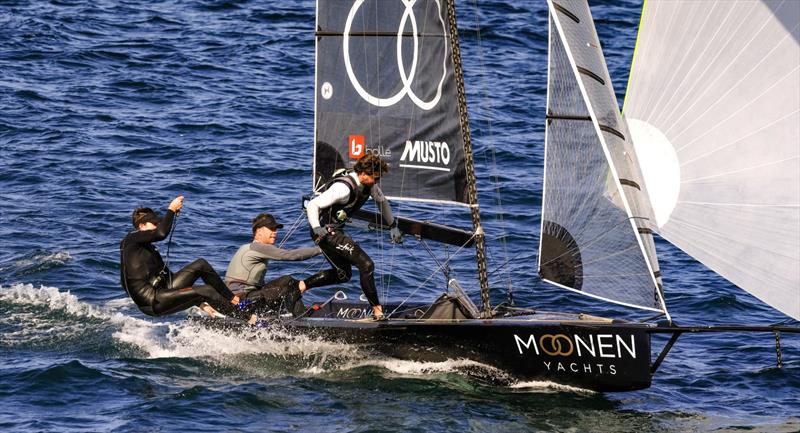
point(546, 140)
point(314, 177)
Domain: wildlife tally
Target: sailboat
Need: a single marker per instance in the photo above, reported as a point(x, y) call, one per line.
point(388, 80)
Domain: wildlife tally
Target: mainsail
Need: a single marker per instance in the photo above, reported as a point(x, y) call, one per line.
point(713, 104)
point(595, 218)
point(385, 83)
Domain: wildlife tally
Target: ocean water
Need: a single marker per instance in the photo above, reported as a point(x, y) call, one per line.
point(105, 106)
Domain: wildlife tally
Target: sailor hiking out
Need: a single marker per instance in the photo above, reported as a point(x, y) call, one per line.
point(327, 216)
point(248, 268)
point(153, 287)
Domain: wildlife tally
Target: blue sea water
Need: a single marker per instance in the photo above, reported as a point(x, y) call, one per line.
point(105, 106)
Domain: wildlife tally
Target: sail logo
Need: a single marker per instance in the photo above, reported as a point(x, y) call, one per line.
point(426, 155)
point(356, 146)
point(406, 77)
point(593, 345)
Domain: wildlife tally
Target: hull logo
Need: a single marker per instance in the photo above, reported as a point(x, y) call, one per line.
point(405, 76)
point(554, 342)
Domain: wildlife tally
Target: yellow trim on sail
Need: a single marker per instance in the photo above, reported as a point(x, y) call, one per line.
point(633, 59)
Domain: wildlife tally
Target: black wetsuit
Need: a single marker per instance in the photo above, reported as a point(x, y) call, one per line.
point(282, 293)
point(140, 263)
point(341, 250)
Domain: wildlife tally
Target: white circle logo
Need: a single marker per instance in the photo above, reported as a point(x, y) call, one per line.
point(326, 90)
point(404, 77)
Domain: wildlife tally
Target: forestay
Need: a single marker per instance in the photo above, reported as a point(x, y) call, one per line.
point(385, 83)
point(595, 223)
point(713, 104)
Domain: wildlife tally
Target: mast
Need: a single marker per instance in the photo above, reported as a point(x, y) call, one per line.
point(472, 190)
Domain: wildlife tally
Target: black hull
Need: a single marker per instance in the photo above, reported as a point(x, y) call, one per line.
point(583, 352)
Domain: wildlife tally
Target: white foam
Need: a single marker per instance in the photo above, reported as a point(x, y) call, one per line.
point(159, 339)
point(545, 386)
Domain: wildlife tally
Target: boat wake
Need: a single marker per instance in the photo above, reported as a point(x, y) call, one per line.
point(47, 318)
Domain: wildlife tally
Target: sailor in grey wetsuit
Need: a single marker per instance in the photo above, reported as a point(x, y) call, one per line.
point(327, 215)
point(248, 267)
point(153, 287)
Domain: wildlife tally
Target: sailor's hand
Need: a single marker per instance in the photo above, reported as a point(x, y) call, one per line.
point(176, 204)
point(396, 234)
point(320, 232)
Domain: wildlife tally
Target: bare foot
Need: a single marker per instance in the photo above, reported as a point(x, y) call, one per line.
point(208, 309)
point(235, 300)
point(377, 311)
point(253, 319)
point(302, 286)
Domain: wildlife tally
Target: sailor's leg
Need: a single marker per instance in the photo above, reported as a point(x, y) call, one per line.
point(342, 268)
point(347, 251)
point(169, 301)
point(283, 291)
point(181, 295)
point(200, 268)
point(366, 272)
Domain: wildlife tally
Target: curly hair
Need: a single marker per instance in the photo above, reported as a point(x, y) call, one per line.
point(371, 164)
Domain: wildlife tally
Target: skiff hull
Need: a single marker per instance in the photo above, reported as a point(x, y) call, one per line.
point(575, 350)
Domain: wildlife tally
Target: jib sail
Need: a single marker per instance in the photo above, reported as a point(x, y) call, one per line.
point(595, 223)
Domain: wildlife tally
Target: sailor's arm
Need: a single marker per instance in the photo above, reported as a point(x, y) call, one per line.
point(272, 252)
point(159, 234)
point(337, 193)
point(383, 205)
point(386, 213)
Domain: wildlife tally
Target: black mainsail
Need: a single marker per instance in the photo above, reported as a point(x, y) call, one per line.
point(385, 83)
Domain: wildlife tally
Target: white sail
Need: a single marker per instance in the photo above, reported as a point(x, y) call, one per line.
point(595, 229)
point(713, 104)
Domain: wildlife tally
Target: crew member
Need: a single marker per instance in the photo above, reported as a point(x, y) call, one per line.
point(154, 288)
point(327, 216)
point(248, 267)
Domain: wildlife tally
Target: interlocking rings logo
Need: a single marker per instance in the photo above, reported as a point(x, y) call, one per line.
point(408, 13)
point(555, 344)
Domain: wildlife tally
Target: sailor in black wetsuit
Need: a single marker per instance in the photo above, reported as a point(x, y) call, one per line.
point(153, 287)
point(327, 215)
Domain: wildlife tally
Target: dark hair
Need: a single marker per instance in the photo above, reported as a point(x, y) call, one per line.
point(143, 215)
point(371, 164)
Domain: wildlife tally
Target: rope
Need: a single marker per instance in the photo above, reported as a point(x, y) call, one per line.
point(169, 244)
point(292, 229)
point(432, 274)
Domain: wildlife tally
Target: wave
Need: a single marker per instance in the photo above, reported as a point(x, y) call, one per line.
point(36, 261)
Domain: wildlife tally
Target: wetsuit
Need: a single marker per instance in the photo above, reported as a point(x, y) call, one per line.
point(141, 263)
point(246, 271)
point(344, 196)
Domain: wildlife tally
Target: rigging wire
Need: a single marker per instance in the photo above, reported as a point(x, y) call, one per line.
point(446, 262)
point(494, 175)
